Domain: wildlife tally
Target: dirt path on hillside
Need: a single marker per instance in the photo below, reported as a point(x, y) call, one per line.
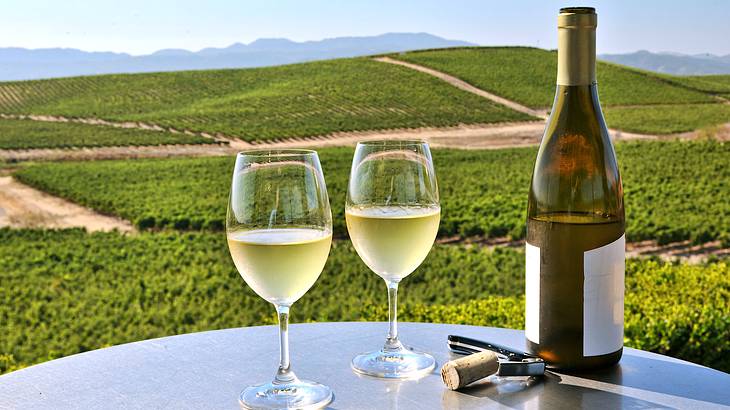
point(479, 136)
point(683, 251)
point(123, 152)
point(24, 207)
point(458, 83)
point(116, 124)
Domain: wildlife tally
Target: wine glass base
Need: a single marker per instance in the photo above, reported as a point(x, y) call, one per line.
point(300, 394)
point(400, 363)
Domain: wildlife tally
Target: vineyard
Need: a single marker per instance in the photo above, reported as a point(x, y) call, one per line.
point(262, 103)
point(64, 292)
point(668, 119)
point(323, 97)
point(716, 84)
point(69, 291)
point(25, 134)
point(671, 189)
point(527, 75)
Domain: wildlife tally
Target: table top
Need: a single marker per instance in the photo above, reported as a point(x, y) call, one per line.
point(208, 370)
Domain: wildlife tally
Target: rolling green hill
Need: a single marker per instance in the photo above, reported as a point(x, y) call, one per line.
point(24, 134)
point(359, 94)
point(667, 119)
point(527, 75)
point(671, 189)
point(716, 84)
point(262, 103)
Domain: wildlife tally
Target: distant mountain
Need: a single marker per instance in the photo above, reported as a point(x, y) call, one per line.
point(23, 64)
point(673, 63)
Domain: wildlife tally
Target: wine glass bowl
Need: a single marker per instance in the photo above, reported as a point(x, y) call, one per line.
point(279, 231)
point(392, 214)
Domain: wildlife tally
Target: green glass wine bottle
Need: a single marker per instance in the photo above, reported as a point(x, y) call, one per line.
point(575, 251)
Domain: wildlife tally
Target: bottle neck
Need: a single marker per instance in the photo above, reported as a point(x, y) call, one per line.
point(577, 99)
point(576, 56)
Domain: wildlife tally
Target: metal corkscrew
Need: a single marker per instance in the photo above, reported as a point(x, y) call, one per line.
point(511, 363)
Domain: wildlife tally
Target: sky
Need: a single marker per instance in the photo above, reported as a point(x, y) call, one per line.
point(144, 26)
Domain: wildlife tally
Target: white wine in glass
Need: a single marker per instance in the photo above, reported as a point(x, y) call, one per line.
point(393, 241)
point(279, 230)
point(280, 265)
point(393, 214)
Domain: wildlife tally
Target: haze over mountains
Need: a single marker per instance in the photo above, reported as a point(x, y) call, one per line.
point(673, 63)
point(25, 64)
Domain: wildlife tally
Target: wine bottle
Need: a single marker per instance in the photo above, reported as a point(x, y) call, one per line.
point(575, 250)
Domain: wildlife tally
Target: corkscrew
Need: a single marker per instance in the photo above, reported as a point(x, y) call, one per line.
point(512, 363)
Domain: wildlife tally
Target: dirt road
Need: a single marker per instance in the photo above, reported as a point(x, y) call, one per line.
point(24, 207)
point(479, 136)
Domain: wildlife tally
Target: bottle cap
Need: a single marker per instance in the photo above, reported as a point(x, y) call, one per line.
point(578, 17)
point(577, 46)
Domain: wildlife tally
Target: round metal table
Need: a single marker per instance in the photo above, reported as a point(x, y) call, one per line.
point(208, 370)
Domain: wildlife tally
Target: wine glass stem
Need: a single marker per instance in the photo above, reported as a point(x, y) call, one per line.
point(284, 374)
point(392, 343)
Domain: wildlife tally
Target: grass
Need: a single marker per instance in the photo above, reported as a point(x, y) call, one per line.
point(64, 292)
point(527, 75)
point(714, 84)
point(348, 95)
point(671, 189)
point(667, 119)
point(262, 103)
point(26, 134)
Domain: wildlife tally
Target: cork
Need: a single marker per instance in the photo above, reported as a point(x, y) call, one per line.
point(468, 369)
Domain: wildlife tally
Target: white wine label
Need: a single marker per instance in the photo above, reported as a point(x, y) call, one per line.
point(603, 298)
point(532, 293)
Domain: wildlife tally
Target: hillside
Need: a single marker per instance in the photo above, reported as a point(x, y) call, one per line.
point(527, 75)
point(715, 84)
point(360, 94)
point(262, 103)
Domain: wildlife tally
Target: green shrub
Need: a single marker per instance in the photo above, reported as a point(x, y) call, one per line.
point(678, 310)
point(65, 292)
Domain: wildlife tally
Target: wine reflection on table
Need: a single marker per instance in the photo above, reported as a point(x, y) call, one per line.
point(547, 392)
point(392, 389)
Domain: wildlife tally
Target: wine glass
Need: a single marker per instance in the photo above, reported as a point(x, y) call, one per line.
point(279, 230)
point(392, 214)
